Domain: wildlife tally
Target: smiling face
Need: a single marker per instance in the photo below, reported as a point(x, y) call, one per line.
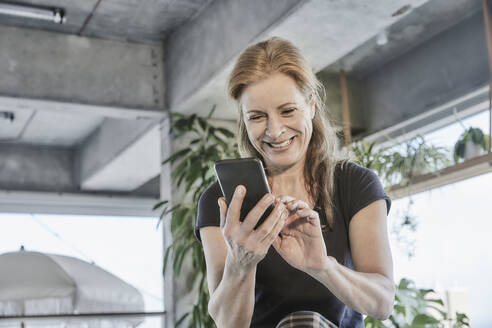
point(278, 120)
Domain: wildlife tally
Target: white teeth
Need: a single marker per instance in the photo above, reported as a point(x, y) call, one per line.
point(282, 144)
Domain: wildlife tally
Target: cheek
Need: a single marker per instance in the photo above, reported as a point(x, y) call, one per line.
point(309, 129)
point(254, 131)
point(252, 137)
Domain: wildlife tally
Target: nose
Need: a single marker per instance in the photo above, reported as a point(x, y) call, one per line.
point(275, 128)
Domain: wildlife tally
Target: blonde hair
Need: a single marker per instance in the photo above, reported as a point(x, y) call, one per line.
point(274, 55)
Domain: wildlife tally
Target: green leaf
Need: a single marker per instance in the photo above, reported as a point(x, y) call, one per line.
point(400, 309)
point(423, 319)
point(209, 116)
point(227, 133)
point(182, 318)
point(176, 156)
point(159, 204)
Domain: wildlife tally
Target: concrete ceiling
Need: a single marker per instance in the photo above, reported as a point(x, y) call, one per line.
point(415, 28)
point(128, 20)
point(47, 128)
point(96, 88)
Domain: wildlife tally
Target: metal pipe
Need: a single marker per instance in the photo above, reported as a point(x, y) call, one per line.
point(55, 15)
point(84, 315)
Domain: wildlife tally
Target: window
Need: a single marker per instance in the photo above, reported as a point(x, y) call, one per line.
point(452, 241)
point(128, 247)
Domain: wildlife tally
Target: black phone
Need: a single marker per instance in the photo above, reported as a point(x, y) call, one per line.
point(248, 172)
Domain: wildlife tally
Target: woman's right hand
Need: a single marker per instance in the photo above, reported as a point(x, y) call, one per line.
point(247, 246)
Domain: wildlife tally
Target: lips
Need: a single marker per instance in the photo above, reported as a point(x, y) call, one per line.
point(278, 145)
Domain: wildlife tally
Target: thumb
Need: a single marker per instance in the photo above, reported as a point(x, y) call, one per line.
point(223, 211)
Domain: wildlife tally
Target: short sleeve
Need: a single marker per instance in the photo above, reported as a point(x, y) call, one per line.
point(362, 187)
point(208, 209)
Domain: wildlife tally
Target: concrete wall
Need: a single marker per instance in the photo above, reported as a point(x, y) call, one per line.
point(40, 64)
point(443, 68)
point(36, 168)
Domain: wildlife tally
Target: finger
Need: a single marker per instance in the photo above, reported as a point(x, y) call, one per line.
point(234, 210)
point(277, 242)
point(223, 211)
point(279, 213)
point(273, 236)
point(285, 199)
point(256, 212)
point(306, 213)
point(296, 204)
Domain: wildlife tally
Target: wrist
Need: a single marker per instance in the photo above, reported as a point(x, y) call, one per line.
point(328, 264)
point(237, 270)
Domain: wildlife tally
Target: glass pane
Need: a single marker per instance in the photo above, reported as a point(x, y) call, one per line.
point(128, 247)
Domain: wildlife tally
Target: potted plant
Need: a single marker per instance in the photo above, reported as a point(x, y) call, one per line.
point(399, 165)
point(368, 155)
point(192, 172)
point(418, 308)
point(471, 143)
point(402, 163)
point(415, 157)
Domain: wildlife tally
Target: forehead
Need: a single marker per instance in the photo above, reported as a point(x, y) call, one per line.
point(271, 92)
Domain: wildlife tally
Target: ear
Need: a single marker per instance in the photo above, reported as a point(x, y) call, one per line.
point(312, 106)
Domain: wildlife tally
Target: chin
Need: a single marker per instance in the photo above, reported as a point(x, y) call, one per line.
point(279, 163)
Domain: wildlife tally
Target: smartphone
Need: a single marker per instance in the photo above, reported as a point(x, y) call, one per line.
point(248, 172)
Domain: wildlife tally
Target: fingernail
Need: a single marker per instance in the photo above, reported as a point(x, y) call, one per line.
point(240, 190)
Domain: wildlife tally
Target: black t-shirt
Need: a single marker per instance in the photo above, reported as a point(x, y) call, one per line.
point(281, 289)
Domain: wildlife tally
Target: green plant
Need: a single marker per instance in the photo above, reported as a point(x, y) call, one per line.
point(398, 165)
point(367, 155)
point(417, 308)
point(470, 135)
point(192, 172)
point(415, 158)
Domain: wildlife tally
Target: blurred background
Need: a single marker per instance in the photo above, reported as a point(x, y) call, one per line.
point(87, 89)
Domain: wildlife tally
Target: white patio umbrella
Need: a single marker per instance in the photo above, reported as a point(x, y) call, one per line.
point(33, 284)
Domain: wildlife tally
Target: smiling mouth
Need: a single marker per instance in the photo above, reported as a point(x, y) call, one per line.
point(280, 144)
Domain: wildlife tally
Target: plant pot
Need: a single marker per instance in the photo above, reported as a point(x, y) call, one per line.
point(472, 150)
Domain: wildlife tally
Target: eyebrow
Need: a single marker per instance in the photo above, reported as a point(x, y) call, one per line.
point(283, 105)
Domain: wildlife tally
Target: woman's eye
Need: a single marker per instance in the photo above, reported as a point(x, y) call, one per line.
point(255, 117)
point(288, 111)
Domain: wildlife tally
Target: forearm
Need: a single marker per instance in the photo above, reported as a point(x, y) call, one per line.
point(232, 302)
point(368, 293)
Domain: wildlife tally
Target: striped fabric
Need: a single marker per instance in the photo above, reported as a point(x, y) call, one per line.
point(305, 319)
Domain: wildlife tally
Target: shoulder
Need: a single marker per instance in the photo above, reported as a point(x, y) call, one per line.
point(208, 213)
point(358, 186)
point(348, 169)
point(351, 175)
point(212, 193)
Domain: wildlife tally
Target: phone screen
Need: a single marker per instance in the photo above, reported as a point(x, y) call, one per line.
point(248, 172)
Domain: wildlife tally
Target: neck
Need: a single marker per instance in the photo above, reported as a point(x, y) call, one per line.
point(289, 181)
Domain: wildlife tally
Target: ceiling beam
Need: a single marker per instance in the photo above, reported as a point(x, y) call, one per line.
point(120, 154)
point(56, 67)
point(197, 66)
point(75, 204)
point(34, 168)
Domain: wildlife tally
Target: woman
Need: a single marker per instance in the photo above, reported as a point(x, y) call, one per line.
point(324, 248)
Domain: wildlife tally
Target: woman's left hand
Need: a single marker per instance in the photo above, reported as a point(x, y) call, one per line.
point(301, 242)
